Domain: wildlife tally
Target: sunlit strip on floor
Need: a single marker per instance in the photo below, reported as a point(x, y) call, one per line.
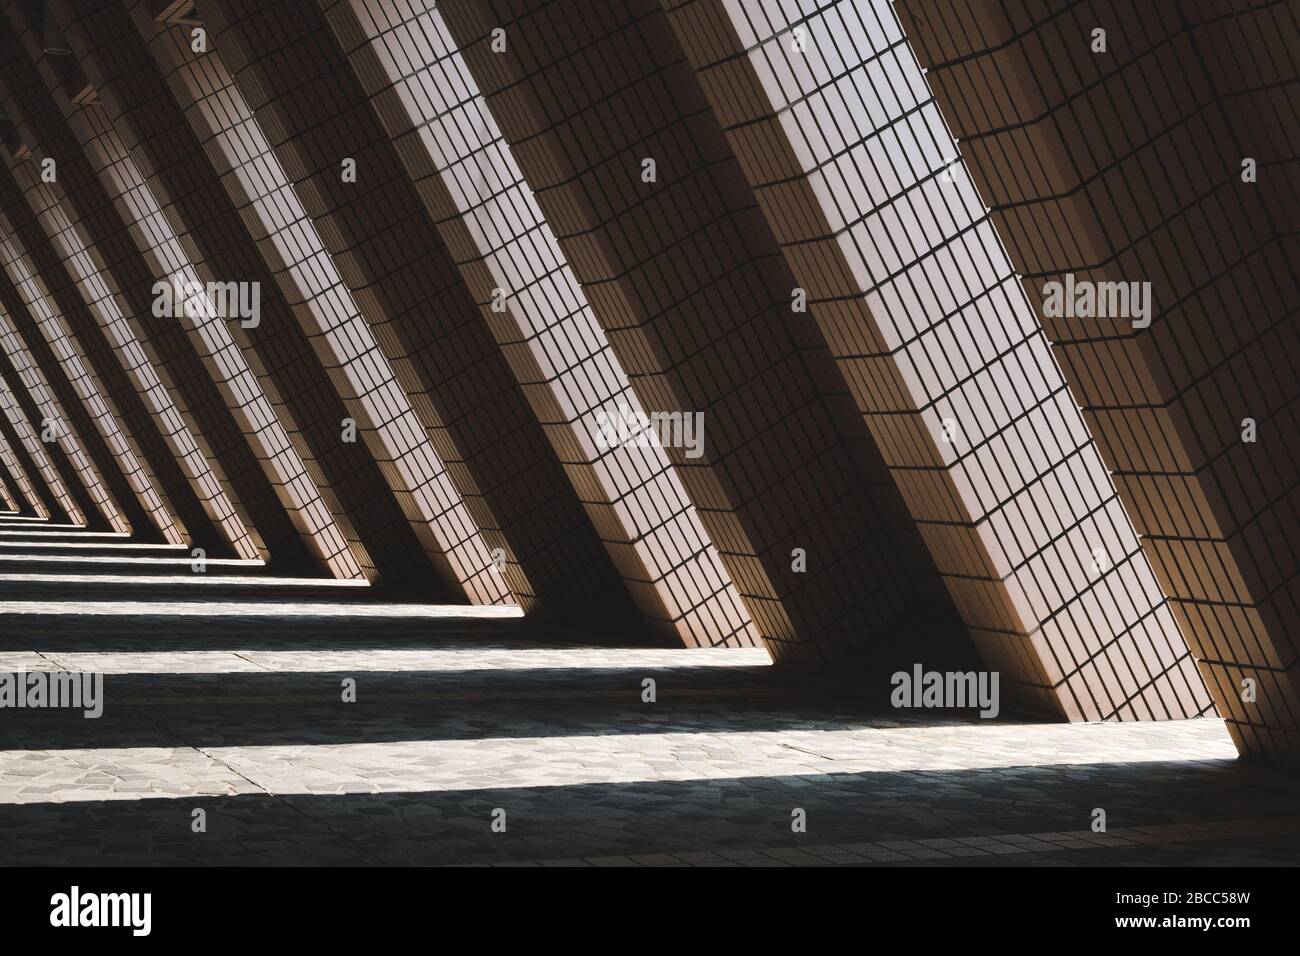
point(94, 545)
point(192, 579)
point(239, 660)
point(28, 524)
point(491, 762)
point(71, 537)
point(260, 608)
point(177, 562)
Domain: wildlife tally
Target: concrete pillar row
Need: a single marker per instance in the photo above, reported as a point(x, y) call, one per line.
point(56, 504)
point(122, 485)
point(270, 493)
point(319, 121)
point(64, 412)
point(388, 483)
point(18, 483)
point(686, 280)
point(156, 255)
point(130, 355)
point(1169, 163)
point(540, 317)
point(848, 155)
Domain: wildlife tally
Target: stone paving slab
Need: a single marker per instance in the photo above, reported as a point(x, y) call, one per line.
point(33, 776)
point(234, 708)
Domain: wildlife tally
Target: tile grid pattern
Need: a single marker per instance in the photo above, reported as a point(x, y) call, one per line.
point(510, 259)
point(72, 210)
point(55, 497)
point(316, 116)
point(85, 349)
point(162, 355)
point(1126, 166)
point(850, 158)
point(44, 297)
point(686, 281)
point(322, 303)
point(143, 361)
point(801, 151)
point(63, 412)
point(18, 485)
point(155, 192)
point(193, 241)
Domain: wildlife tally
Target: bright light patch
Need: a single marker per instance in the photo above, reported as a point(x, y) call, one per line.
point(73, 536)
point(436, 766)
point(94, 546)
point(192, 579)
point(394, 660)
point(180, 563)
point(261, 608)
point(17, 523)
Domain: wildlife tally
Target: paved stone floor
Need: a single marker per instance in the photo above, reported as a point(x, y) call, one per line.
point(226, 696)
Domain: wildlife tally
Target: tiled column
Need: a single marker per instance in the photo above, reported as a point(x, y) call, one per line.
point(69, 412)
point(112, 457)
point(38, 402)
point(230, 353)
point(282, 245)
point(117, 289)
point(680, 272)
point(316, 116)
point(538, 314)
point(56, 503)
point(832, 121)
point(151, 250)
point(234, 421)
point(1125, 165)
point(18, 485)
point(82, 328)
